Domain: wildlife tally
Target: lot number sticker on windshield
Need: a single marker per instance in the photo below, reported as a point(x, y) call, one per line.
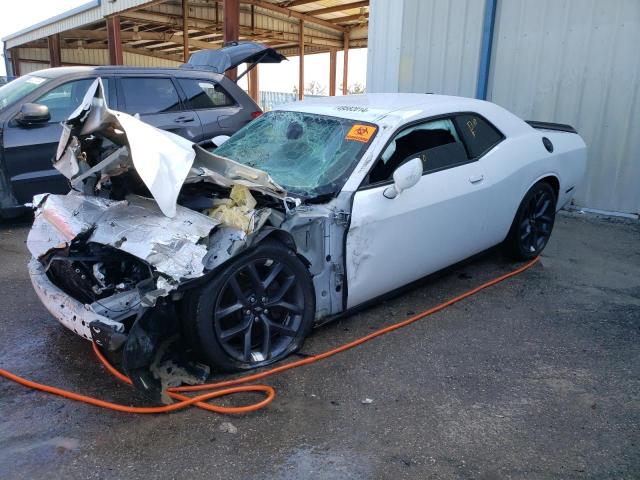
point(361, 133)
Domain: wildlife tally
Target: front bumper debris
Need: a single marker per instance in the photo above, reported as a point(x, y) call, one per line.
point(74, 315)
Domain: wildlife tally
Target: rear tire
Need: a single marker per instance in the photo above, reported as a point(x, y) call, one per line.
point(255, 311)
point(533, 223)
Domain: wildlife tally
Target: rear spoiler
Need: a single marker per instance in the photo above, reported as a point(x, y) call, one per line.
point(551, 126)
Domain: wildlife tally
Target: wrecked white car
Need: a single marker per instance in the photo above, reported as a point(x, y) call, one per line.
point(302, 215)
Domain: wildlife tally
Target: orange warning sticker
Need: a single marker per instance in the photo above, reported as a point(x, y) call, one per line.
point(361, 133)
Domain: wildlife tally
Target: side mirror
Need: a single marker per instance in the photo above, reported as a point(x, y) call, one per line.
point(404, 177)
point(220, 139)
point(31, 114)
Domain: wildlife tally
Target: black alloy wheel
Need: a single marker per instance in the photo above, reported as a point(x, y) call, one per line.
point(532, 226)
point(257, 310)
point(537, 221)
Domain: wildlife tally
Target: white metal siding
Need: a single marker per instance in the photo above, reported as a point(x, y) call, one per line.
point(441, 46)
point(424, 46)
point(577, 62)
point(384, 45)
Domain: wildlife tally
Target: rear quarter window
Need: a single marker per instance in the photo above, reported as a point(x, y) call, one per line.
point(478, 134)
point(204, 94)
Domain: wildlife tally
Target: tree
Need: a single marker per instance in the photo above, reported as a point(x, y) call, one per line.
point(315, 88)
point(312, 88)
point(356, 89)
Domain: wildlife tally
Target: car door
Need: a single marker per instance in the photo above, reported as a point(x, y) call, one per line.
point(215, 108)
point(439, 221)
point(156, 100)
point(29, 151)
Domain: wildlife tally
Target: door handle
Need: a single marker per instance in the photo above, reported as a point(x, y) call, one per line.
point(184, 119)
point(476, 178)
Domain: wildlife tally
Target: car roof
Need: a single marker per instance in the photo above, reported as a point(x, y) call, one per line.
point(111, 69)
point(374, 107)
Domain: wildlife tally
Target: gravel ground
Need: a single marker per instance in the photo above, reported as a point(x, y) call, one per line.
point(538, 377)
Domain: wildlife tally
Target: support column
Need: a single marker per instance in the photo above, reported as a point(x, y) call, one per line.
point(185, 30)
point(231, 28)
point(54, 50)
point(345, 69)
point(15, 61)
point(333, 55)
point(114, 40)
point(485, 49)
point(254, 84)
point(301, 71)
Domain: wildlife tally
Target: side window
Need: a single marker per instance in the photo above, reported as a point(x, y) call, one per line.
point(65, 98)
point(204, 94)
point(149, 95)
point(478, 134)
point(436, 143)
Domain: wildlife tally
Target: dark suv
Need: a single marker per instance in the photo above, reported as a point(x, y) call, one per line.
point(195, 101)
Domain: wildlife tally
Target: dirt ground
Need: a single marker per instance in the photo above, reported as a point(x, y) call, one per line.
point(538, 377)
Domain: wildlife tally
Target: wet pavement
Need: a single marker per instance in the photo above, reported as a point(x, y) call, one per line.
point(538, 377)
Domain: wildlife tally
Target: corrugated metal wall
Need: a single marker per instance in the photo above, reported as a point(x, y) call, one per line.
point(86, 56)
point(28, 67)
point(424, 46)
point(384, 50)
point(567, 61)
point(577, 62)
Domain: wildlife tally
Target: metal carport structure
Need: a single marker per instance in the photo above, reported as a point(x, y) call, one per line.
point(164, 33)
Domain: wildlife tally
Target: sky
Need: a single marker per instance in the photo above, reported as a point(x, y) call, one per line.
point(16, 15)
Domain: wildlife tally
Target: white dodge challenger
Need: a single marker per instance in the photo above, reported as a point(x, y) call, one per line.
point(307, 212)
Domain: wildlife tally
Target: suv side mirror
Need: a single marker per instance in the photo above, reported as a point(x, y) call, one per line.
point(404, 177)
point(31, 114)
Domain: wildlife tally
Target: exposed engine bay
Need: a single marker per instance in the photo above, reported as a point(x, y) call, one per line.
point(150, 216)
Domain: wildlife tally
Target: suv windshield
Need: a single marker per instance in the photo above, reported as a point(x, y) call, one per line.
point(307, 154)
point(19, 88)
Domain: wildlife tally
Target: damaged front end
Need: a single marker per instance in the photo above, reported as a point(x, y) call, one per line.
point(149, 215)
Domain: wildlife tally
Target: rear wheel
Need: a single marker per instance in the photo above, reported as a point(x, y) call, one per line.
point(256, 310)
point(533, 223)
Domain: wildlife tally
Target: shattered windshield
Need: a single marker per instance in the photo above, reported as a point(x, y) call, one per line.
point(19, 88)
point(307, 154)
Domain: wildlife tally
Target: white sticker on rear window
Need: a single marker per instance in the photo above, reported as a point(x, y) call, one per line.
point(35, 80)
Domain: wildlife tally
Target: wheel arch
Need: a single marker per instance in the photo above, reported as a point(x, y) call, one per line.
point(287, 239)
point(554, 182)
point(550, 178)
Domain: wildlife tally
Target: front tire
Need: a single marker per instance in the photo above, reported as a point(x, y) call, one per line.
point(533, 223)
point(256, 310)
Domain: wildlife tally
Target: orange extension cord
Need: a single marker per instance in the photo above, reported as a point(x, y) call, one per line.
point(238, 384)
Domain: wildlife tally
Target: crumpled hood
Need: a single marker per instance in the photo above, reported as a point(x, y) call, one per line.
point(164, 161)
point(174, 246)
